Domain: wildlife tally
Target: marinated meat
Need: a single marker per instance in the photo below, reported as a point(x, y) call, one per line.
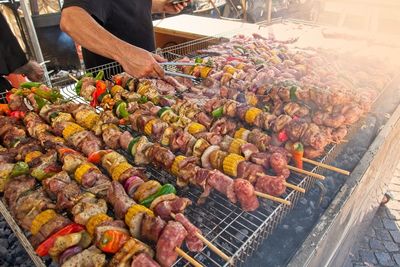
point(173, 236)
point(272, 185)
point(223, 126)
point(222, 183)
point(248, 150)
point(16, 187)
point(143, 260)
point(246, 195)
point(192, 241)
point(151, 227)
point(118, 198)
point(165, 208)
point(278, 163)
point(248, 171)
point(261, 158)
point(295, 129)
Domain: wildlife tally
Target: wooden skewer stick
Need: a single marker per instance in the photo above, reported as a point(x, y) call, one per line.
point(292, 186)
point(295, 187)
point(187, 257)
point(276, 199)
point(315, 175)
point(209, 244)
point(326, 166)
point(73, 78)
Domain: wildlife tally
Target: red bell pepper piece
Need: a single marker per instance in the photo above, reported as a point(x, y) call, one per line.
point(101, 87)
point(118, 81)
point(43, 249)
point(96, 157)
point(282, 136)
point(66, 150)
point(112, 241)
point(17, 114)
point(4, 109)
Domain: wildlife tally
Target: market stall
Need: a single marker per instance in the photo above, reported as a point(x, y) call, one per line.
point(296, 167)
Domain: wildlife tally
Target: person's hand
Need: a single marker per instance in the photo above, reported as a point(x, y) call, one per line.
point(32, 70)
point(165, 6)
point(141, 63)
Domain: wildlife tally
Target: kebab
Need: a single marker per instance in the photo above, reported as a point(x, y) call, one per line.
point(54, 183)
point(131, 184)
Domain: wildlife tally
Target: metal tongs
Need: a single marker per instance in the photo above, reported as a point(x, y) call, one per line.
point(173, 73)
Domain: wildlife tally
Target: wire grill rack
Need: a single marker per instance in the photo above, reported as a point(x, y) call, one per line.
point(237, 233)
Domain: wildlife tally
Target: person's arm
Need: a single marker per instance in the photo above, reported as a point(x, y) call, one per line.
point(85, 30)
point(165, 6)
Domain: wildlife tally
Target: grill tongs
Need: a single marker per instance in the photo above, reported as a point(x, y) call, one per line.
point(180, 74)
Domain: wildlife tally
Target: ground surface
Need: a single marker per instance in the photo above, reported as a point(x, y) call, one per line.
point(380, 245)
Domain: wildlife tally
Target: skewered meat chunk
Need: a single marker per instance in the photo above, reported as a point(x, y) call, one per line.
point(339, 134)
point(91, 257)
point(118, 198)
point(248, 149)
point(261, 158)
point(16, 187)
point(161, 156)
point(278, 163)
point(49, 228)
point(143, 260)
point(87, 207)
point(249, 171)
point(151, 227)
point(111, 135)
point(295, 129)
point(245, 194)
point(165, 208)
point(273, 185)
point(192, 241)
point(173, 236)
point(281, 122)
point(223, 126)
point(260, 139)
point(29, 205)
point(222, 183)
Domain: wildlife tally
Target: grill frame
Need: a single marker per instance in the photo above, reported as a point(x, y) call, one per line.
point(253, 240)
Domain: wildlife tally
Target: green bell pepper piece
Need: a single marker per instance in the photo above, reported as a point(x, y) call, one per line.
point(143, 99)
point(218, 112)
point(99, 76)
point(131, 144)
point(198, 60)
point(39, 101)
point(162, 110)
point(121, 110)
point(164, 190)
point(78, 86)
point(30, 85)
point(293, 90)
point(20, 168)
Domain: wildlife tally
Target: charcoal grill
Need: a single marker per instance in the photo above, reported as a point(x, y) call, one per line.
point(238, 234)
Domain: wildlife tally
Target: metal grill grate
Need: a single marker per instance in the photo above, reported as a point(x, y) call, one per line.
point(235, 232)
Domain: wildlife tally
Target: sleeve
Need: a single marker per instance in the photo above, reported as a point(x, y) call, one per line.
point(11, 54)
point(98, 9)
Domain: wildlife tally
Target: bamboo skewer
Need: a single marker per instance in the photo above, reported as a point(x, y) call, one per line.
point(326, 166)
point(315, 175)
point(187, 257)
point(210, 245)
point(295, 187)
point(73, 78)
point(289, 185)
point(276, 199)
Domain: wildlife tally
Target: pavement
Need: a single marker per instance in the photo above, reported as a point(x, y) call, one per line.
point(380, 245)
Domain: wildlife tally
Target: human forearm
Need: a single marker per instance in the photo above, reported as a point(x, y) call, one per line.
point(77, 23)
